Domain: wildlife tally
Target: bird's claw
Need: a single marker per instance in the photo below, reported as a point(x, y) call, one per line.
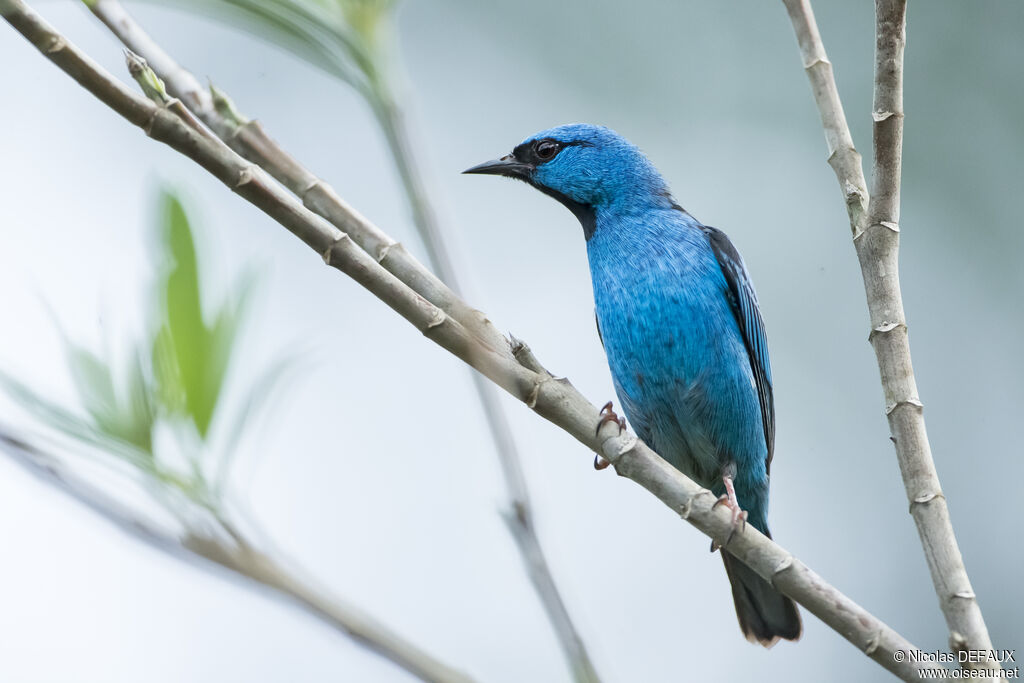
point(739, 515)
point(607, 415)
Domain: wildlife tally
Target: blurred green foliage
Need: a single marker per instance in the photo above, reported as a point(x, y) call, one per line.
point(346, 38)
point(190, 358)
point(355, 41)
point(173, 377)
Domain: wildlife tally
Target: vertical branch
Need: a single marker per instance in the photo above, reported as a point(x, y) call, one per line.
point(875, 225)
point(878, 251)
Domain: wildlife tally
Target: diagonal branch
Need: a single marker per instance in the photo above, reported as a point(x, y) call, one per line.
point(231, 550)
point(876, 233)
point(250, 140)
point(522, 376)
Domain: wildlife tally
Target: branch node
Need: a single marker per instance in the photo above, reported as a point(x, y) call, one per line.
point(873, 642)
point(440, 317)
point(329, 251)
point(913, 401)
point(885, 327)
point(147, 126)
point(246, 176)
point(309, 188)
point(786, 563)
point(925, 498)
point(964, 595)
point(531, 400)
point(385, 249)
point(225, 107)
point(628, 444)
point(815, 62)
point(55, 44)
point(515, 344)
point(898, 115)
point(524, 356)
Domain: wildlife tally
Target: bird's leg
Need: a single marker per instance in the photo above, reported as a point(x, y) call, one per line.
point(607, 415)
point(728, 499)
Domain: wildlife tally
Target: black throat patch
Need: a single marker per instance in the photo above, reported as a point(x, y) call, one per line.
point(585, 213)
point(526, 153)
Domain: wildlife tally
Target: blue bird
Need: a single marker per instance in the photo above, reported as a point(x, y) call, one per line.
point(680, 324)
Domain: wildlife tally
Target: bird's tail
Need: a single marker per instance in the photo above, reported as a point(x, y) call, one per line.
point(765, 614)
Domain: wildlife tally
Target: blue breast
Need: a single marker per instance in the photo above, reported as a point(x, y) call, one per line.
point(678, 360)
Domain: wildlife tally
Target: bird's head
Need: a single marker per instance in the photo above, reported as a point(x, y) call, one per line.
point(586, 167)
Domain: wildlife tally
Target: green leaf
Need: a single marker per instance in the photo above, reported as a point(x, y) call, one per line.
point(125, 415)
point(184, 342)
point(170, 392)
point(73, 426)
point(190, 359)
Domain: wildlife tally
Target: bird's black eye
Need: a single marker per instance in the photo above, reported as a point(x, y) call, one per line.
point(546, 149)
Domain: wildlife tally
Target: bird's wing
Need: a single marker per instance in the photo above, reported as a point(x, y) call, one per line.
point(744, 305)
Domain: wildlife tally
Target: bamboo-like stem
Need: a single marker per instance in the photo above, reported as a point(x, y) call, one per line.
point(874, 222)
point(522, 376)
point(878, 251)
point(251, 141)
point(232, 551)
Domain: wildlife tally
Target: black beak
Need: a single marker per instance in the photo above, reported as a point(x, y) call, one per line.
point(507, 166)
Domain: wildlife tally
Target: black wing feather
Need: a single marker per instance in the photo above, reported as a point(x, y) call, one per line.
point(744, 304)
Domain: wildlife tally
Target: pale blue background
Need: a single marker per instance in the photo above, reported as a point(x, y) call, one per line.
point(404, 520)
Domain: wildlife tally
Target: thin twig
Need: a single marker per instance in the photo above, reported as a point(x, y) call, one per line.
point(231, 550)
point(554, 399)
point(875, 226)
point(250, 140)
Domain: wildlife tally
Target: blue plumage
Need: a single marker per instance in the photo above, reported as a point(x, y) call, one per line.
point(680, 323)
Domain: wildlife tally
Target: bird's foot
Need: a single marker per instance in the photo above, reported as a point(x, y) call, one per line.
point(607, 415)
point(739, 515)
